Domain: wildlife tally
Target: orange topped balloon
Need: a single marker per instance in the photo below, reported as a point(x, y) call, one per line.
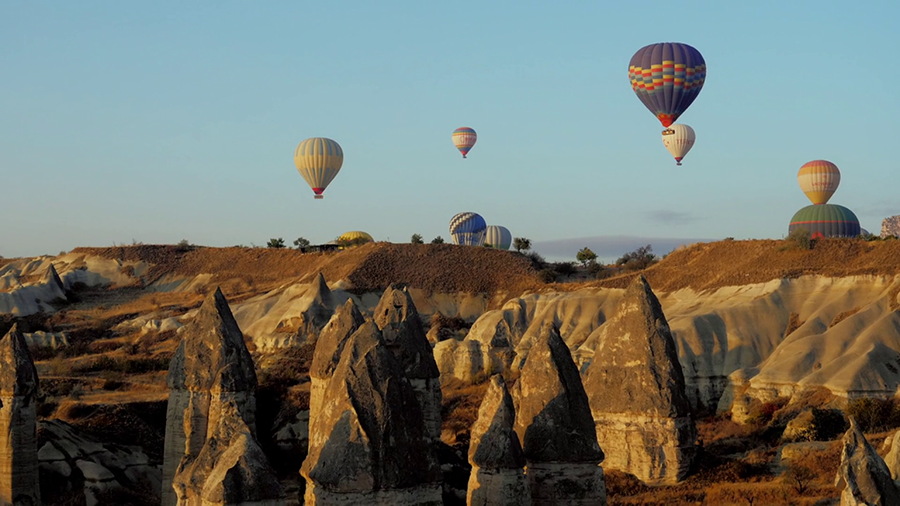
point(819, 179)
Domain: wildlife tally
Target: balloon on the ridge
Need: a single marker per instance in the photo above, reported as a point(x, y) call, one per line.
point(667, 77)
point(498, 237)
point(318, 160)
point(356, 237)
point(819, 179)
point(464, 138)
point(826, 220)
point(468, 229)
point(678, 139)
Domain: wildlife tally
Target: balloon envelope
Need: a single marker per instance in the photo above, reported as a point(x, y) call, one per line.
point(464, 138)
point(667, 77)
point(318, 160)
point(498, 237)
point(468, 229)
point(678, 139)
point(826, 220)
point(357, 237)
point(819, 179)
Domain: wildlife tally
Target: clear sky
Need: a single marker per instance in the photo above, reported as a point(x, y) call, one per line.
point(161, 121)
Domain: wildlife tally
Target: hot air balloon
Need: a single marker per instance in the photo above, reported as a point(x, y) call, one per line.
point(498, 237)
point(826, 220)
point(468, 229)
point(819, 179)
point(318, 160)
point(354, 238)
point(678, 139)
point(667, 77)
point(464, 138)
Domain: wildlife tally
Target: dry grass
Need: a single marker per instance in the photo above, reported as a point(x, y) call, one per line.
point(844, 315)
point(459, 410)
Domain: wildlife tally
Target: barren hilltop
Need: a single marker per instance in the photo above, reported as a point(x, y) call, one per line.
point(761, 331)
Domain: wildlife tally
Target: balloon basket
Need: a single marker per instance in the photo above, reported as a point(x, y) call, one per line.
point(319, 197)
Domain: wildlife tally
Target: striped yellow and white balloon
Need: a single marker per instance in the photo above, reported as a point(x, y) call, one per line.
point(318, 160)
point(678, 139)
point(498, 237)
point(819, 179)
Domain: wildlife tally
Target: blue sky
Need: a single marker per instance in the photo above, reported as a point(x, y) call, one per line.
point(161, 121)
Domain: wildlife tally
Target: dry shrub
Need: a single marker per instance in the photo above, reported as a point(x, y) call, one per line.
point(459, 409)
point(750, 494)
point(844, 315)
point(794, 323)
point(763, 413)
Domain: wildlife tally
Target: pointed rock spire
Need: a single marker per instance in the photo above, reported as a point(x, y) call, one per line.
point(553, 420)
point(51, 278)
point(18, 375)
point(18, 440)
point(553, 417)
point(211, 367)
point(332, 340)
point(636, 387)
point(212, 351)
point(497, 476)
point(368, 444)
point(398, 320)
point(862, 474)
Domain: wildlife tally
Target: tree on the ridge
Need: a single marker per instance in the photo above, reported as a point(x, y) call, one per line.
point(301, 242)
point(521, 244)
point(275, 243)
point(416, 239)
point(437, 240)
point(585, 255)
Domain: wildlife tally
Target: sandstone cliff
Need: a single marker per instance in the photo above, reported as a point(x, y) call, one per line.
point(863, 475)
point(19, 389)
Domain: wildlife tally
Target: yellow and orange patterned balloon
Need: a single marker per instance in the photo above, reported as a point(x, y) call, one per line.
point(819, 179)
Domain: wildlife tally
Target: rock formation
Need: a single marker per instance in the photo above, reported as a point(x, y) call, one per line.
point(69, 459)
point(498, 476)
point(401, 328)
point(553, 420)
point(368, 443)
point(890, 226)
point(637, 395)
point(231, 468)
point(19, 389)
point(329, 346)
point(211, 368)
point(892, 459)
point(863, 476)
point(486, 350)
point(319, 312)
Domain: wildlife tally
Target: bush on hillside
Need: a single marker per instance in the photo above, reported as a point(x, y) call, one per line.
point(874, 415)
point(564, 268)
point(547, 275)
point(799, 238)
point(638, 259)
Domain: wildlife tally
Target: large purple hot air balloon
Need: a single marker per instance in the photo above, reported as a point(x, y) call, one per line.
point(667, 77)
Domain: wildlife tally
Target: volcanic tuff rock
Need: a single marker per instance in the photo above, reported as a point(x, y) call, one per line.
point(486, 350)
point(864, 477)
point(402, 331)
point(368, 444)
point(892, 459)
point(890, 226)
point(210, 368)
point(553, 420)
point(636, 389)
point(19, 388)
point(231, 468)
point(70, 459)
point(497, 476)
point(329, 346)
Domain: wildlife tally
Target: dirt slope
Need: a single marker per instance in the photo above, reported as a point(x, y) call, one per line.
point(434, 267)
point(708, 266)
